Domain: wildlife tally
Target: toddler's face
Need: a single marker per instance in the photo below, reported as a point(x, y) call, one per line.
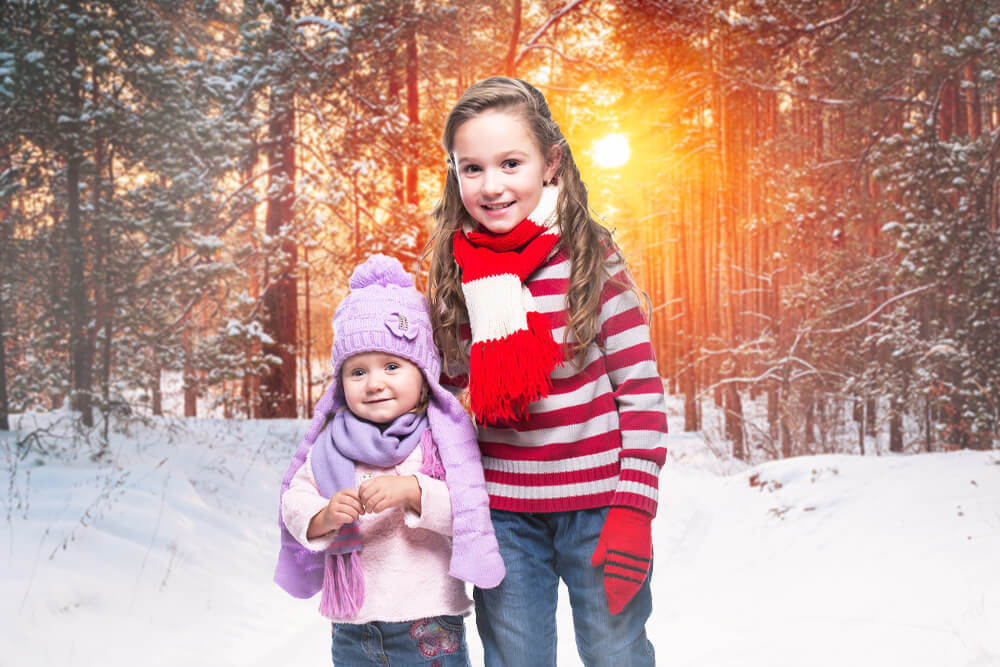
point(380, 387)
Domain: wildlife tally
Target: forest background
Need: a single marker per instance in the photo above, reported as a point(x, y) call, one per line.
point(809, 197)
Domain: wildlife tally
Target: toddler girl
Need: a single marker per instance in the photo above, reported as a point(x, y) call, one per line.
point(383, 507)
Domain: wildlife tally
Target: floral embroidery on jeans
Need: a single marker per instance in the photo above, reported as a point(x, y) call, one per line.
point(433, 638)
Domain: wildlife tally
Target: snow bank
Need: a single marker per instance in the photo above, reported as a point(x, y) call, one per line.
point(164, 556)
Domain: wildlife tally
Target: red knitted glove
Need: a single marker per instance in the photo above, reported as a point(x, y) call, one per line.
point(625, 549)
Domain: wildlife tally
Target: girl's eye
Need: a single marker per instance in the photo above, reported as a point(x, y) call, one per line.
point(392, 366)
point(357, 372)
point(511, 164)
point(470, 169)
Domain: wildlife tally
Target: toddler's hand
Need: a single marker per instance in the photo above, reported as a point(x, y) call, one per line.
point(387, 491)
point(343, 508)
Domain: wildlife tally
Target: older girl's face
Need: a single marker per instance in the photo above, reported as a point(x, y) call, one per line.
point(500, 169)
point(379, 387)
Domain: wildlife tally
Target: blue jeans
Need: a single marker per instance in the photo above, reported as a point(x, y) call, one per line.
point(436, 642)
point(517, 619)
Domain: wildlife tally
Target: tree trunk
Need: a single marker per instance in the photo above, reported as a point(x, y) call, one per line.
point(278, 389)
point(772, 409)
point(783, 403)
point(250, 385)
point(308, 341)
point(958, 436)
point(190, 380)
point(412, 166)
point(947, 110)
point(896, 427)
point(734, 421)
point(103, 306)
point(809, 436)
point(106, 359)
point(823, 424)
point(685, 290)
point(396, 168)
point(81, 361)
point(928, 427)
point(4, 406)
point(691, 418)
point(4, 267)
point(871, 411)
point(157, 391)
point(786, 437)
point(861, 427)
point(973, 103)
point(510, 64)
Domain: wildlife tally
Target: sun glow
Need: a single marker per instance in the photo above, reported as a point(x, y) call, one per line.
point(612, 151)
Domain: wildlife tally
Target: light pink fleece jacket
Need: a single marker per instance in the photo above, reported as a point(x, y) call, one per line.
point(405, 556)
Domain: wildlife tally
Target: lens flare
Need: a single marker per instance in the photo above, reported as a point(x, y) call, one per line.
point(612, 151)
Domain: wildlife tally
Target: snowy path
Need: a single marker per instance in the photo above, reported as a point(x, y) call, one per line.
point(827, 560)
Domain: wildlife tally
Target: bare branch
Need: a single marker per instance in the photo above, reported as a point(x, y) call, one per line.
point(816, 27)
point(875, 312)
point(561, 55)
point(553, 20)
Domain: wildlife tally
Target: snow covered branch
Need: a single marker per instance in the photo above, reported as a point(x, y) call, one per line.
point(552, 20)
point(867, 318)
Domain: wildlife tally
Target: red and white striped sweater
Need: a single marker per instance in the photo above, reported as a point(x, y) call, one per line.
point(598, 438)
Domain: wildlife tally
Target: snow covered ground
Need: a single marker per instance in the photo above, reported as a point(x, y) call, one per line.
point(164, 556)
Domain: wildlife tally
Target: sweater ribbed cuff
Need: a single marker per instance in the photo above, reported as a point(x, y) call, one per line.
point(638, 481)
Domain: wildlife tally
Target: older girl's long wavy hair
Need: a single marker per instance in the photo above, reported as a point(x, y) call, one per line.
point(585, 240)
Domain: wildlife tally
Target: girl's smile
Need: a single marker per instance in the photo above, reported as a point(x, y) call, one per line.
point(500, 169)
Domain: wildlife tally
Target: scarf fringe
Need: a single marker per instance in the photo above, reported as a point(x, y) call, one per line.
point(432, 466)
point(343, 586)
point(506, 374)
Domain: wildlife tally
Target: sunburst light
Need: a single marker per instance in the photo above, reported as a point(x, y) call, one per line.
point(611, 151)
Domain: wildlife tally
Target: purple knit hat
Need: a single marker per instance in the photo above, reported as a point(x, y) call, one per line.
point(385, 313)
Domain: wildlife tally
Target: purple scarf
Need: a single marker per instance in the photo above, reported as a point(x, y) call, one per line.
point(345, 441)
point(475, 556)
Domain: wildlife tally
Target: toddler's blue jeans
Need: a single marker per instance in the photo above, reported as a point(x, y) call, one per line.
point(517, 620)
point(438, 641)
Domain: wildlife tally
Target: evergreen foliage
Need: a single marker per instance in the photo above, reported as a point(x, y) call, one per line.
point(811, 205)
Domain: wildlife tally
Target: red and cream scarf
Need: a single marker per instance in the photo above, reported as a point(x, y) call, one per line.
point(513, 351)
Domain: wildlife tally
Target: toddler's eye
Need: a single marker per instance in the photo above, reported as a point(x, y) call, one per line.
point(511, 164)
point(357, 373)
point(392, 366)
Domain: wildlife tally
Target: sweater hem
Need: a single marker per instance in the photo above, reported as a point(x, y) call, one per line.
point(508, 504)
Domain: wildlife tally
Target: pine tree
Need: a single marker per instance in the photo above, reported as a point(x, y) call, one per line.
point(117, 156)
